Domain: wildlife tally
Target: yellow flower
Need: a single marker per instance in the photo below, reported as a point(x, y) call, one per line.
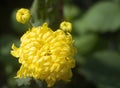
point(23, 15)
point(66, 26)
point(45, 54)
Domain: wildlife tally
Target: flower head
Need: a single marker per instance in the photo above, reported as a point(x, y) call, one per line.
point(23, 15)
point(45, 54)
point(66, 26)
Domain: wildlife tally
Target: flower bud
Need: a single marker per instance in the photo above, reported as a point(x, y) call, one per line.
point(23, 15)
point(66, 26)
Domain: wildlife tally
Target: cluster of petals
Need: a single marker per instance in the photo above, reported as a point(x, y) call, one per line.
point(45, 54)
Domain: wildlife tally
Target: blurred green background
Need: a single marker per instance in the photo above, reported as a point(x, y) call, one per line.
point(96, 31)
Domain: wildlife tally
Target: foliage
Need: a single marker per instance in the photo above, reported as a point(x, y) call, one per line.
point(102, 17)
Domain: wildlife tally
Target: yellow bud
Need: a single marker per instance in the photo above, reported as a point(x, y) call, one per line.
point(66, 26)
point(23, 15)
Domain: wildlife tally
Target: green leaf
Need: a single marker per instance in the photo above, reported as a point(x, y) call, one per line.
point(70, 12)
point(102, 17)
point(6, 42)
point(86, 43)
point(103, 68)
point(109, 58)
point(23, 81)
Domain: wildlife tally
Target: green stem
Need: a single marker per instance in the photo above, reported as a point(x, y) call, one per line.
point(50, 11)
point(117, 2)
point(37, 11)
point(57, 17)
point(29, 25)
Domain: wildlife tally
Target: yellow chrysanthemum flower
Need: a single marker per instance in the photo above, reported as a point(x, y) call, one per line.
point(23, 15)
point(66, 26)
point(45, 54)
